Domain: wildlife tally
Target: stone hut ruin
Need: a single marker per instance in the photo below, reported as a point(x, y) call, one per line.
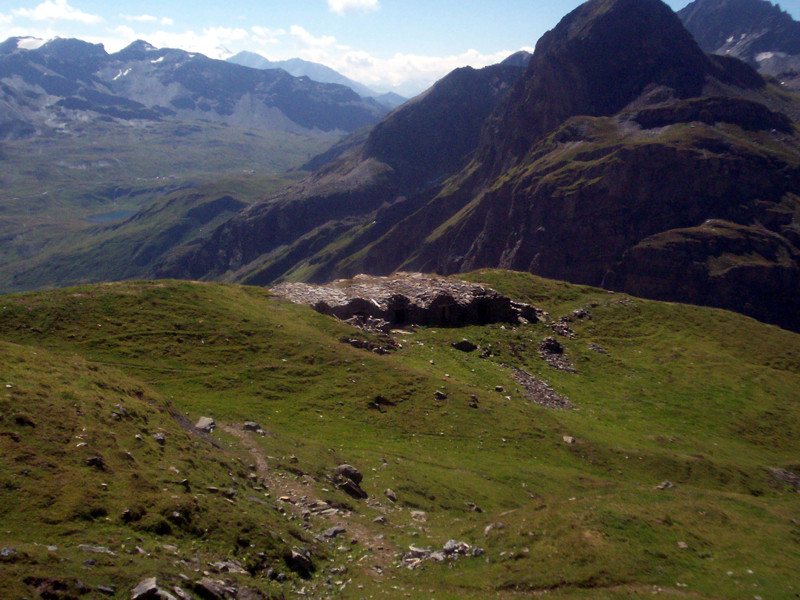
point(407, 299)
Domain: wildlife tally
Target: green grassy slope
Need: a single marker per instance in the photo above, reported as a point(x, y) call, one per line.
point(56, 189)
point(702, 398)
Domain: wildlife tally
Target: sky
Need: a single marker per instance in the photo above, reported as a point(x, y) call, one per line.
point(388, 45)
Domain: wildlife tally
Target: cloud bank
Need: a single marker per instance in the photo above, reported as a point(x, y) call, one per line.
point(342, 7)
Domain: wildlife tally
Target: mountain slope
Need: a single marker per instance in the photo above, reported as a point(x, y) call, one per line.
point(674, 472)
point(370, 180)
point(755, 31)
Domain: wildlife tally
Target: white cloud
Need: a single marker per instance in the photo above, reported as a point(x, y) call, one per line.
point(265, 35)
point(407, 74)
point(56, 10)
point(212, 41)
point(148, 19)
point(307, 38)
point(5, 19)
point(341, 7)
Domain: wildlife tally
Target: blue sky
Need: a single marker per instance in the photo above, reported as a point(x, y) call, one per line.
point(401, 45)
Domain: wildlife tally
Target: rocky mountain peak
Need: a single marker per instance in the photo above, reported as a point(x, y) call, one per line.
point(138, 50)
point(70, 49)
point(599, 58)
point(741, 28)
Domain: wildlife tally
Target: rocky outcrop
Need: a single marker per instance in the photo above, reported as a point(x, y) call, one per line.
point(749, 269)
point(409, 299)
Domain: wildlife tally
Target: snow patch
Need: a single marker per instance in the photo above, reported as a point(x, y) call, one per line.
point(30, 43)
point(121, 74)
point(729, 40)
point(764, 56)
point(156, 61)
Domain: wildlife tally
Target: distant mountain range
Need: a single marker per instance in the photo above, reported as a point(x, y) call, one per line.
point(621, 156)
point(317, 72)
point(755, 31)
point(68, 80)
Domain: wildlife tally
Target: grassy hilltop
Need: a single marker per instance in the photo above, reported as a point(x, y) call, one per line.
point(565, 502)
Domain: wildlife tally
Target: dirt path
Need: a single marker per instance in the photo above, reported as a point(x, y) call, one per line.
point(298, 497)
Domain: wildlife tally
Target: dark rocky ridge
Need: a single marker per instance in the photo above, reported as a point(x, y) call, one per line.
point(599, 58)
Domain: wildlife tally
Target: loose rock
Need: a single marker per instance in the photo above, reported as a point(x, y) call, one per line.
point(350, 472)
point(205, 424)
point(148, 589)
point(300, 562)
point(333, 532)
point(214, 589)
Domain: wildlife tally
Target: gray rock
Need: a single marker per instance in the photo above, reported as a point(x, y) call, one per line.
point(439, 395)
point(455, 547)
point(350, 472)
point(333, 532)
point(229, 566)
point(160, 438)
point(148, 590)
point(499, 388)
point(205, 424)
point(437, 556)
point(214, 589)
point(8, 552)
point(379, 520)
point(665, 485)
point(97, 549)
point(351, 488)
point(390, 494)
point(181, 594)
point(414, 552)
point(300, 563)
point(107, 590)
point(251, 426)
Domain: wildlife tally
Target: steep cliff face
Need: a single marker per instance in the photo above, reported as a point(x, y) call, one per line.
point(749, 269)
